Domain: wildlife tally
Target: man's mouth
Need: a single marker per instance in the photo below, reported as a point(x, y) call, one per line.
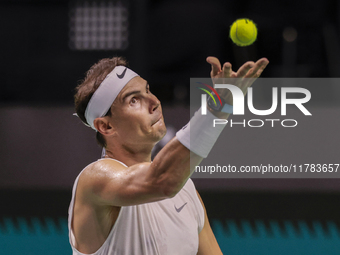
point(157, 120)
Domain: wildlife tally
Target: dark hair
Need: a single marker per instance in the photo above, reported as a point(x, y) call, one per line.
point(89, 85)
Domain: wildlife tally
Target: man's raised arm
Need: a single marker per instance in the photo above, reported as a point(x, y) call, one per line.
point(111, 183)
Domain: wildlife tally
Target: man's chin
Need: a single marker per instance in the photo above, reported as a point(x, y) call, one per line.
point(164, 133)
point(159, 134)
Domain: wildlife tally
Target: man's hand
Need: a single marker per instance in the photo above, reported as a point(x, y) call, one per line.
point(243, 78)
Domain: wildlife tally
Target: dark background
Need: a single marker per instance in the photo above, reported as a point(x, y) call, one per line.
point(43, 147)
point(168, 44)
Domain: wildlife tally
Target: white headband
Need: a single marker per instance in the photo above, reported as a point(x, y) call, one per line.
point(107, 92)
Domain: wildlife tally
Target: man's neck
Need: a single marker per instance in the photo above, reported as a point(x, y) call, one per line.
point(128, 156)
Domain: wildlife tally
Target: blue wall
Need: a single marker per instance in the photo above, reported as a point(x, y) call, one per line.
point(34, 236)
point(50, 236)
point(245, 240)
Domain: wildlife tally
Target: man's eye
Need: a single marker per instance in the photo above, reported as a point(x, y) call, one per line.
point(134, 100)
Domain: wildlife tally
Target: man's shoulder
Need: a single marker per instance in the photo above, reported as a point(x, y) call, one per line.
point(96, 174)
point(102, 167)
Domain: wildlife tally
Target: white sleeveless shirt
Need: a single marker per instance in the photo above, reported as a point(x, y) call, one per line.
point(167, 227)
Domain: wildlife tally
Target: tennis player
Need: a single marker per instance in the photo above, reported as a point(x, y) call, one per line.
point(124, 204)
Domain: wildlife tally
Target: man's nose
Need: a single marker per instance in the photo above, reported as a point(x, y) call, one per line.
point(154, 103)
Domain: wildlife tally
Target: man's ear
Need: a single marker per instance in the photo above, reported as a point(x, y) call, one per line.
point(104, 126)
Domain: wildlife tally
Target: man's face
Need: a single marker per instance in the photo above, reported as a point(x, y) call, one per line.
point(137, 115)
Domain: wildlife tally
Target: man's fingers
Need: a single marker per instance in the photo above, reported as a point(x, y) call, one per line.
point(263, 61)
point(215, 65)
point(227, 70)
point(256, 71)
point(260, 66)
point(243, 70)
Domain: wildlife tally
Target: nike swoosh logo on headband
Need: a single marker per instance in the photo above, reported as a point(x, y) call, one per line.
point(121, 76)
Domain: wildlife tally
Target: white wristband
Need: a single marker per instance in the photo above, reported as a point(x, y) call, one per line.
point(200, 135)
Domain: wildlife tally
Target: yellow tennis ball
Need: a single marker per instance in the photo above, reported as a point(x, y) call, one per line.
point(243, 32)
